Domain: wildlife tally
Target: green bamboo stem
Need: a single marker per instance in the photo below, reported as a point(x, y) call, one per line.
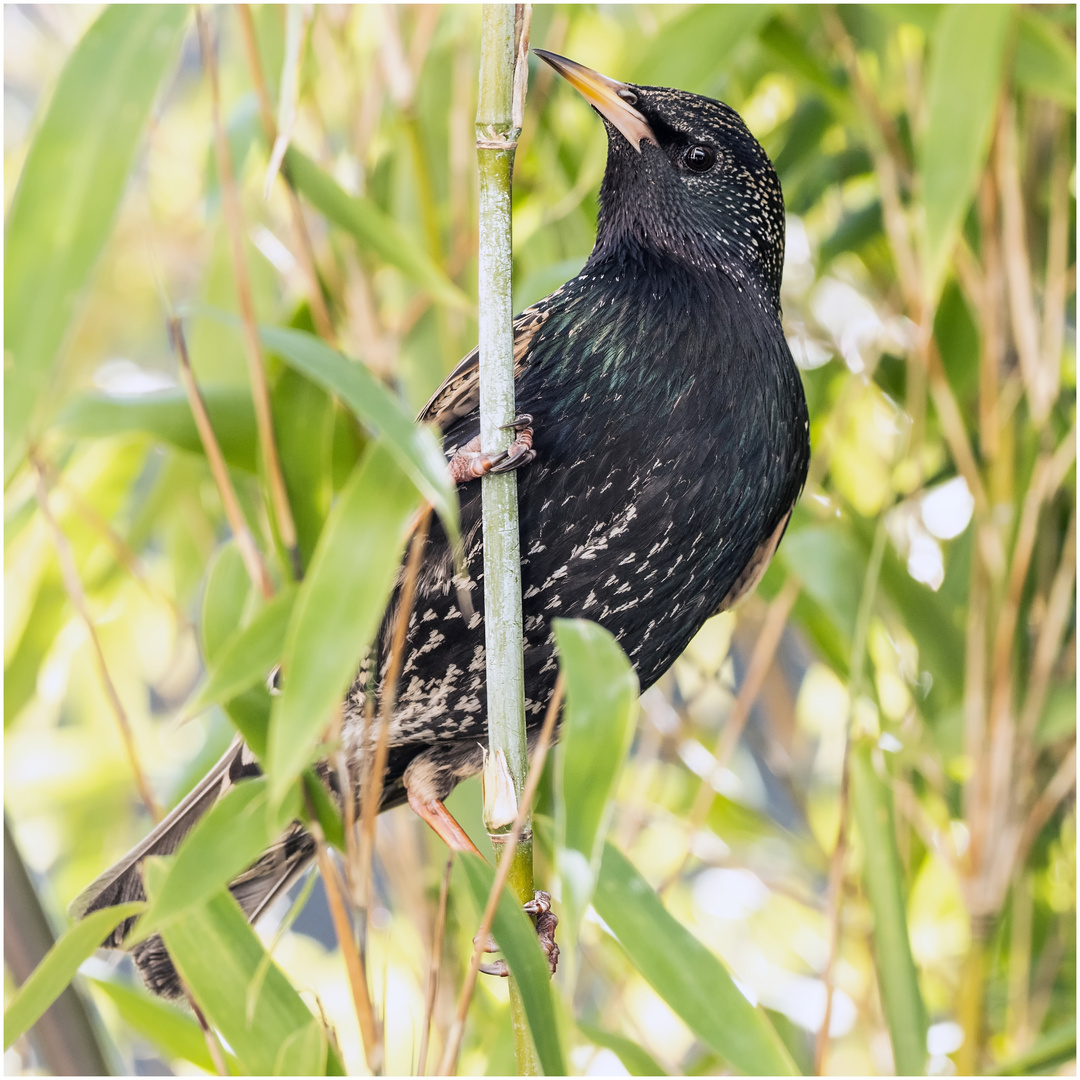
point(496, 140)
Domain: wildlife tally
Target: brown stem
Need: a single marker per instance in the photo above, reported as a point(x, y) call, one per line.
point(73, 585)
point(373, 781)
point(433, 966)
point(260, 392)
point(354, 966)
point(302, 237)
point(448, 1065)
point(245, 542)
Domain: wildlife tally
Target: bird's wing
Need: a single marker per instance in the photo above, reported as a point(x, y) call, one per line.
point(459, 393)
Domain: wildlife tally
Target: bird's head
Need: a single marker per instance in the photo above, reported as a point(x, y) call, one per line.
point(684, 177)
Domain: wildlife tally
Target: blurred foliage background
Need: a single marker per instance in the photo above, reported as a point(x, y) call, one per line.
point(904, 678)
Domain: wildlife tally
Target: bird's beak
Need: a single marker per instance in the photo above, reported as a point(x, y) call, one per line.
point(611, 99)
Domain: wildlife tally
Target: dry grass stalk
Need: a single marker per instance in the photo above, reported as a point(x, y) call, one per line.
point(302, 237)
point(260, 391)
point(73, 585)
point(434, 965)
point(448, 1065)
point(372, 784)
point(245, 542)
point(370, 1028)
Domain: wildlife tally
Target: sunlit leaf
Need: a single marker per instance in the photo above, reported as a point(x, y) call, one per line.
point(595, 736)
point(339, 608)
point(517, 940)
point(225, 841)
point(58, 968)
point(227, 590)
point(166, 416)
point(166, 1026)
point(217, 954)
point(248, 655)
point(684, 973)
point(68, 192)
point(964, 78)
point(372, 229)
point(638, 1061)
point(883, 879)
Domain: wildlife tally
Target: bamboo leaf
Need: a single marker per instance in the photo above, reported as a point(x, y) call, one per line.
point(905, 1013)
point(415, 447)
point(228, 839)
point(59, 966)
point(1045, 59)
point(166, 416)
point(227, 589)
point(249, 654)
point(168, 1027)
point(517, 939)
point(638, 1061)
point(218, 954)
point(68, 193)
point(371, 228)
point(686, 974)
point(339, 608)
point(595, 737)
point(963, 83)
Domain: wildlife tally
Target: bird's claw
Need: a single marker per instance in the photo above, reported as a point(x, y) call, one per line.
point(471, 462)
point(539, 907)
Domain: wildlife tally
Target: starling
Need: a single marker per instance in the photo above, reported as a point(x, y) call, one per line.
point(664, 440)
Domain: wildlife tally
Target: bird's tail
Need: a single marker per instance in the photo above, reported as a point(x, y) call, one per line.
point(255, 889)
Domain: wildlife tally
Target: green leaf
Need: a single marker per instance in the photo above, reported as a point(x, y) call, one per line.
point(1044, 1054)
point(168, 1027)
point(166, 416)
point(218, 954)
point(339, 608)
point(686, 974)
point(227, 589)
point(58, 967)
point(248, 655)
point(70, 187)
point(905, 1013)
point(638, 1061)
point(963, 84)
point(415, 447)
point(595, 737)
point(223, 843)
point(517, 940)
point(1045, 63)
point(372, 229)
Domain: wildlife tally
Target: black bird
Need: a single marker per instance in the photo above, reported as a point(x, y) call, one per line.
point(666, 441)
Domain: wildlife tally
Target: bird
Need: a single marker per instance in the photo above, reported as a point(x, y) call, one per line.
point(662, 444)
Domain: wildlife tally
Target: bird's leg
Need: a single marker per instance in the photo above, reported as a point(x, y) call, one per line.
point(471, 462)
point(443, 822)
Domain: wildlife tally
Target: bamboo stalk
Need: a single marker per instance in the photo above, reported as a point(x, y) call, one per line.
point(496, 140)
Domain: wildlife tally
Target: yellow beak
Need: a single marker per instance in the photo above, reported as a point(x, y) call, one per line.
point(612, 100)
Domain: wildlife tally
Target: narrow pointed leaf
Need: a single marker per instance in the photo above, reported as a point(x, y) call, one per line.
point(339, 608)
point(68, 192)
point(686, 974)
point(249, 654)
point(966, 67)
point(637, 1060)
point(171, 1029)
point(166, 416)
point(59, 966)
point(371, 228)
point(227, 590)
point(905, 1013)
point(218, 954)
point(227, 840)
point(517, 940)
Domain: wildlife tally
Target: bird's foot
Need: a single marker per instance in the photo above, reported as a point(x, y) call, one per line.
point(539, 907)
point(471, 462)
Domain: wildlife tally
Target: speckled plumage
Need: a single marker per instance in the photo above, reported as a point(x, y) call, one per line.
point(671, 442)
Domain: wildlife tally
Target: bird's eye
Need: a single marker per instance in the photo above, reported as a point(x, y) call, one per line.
point(628, 96)
point(700, 158)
